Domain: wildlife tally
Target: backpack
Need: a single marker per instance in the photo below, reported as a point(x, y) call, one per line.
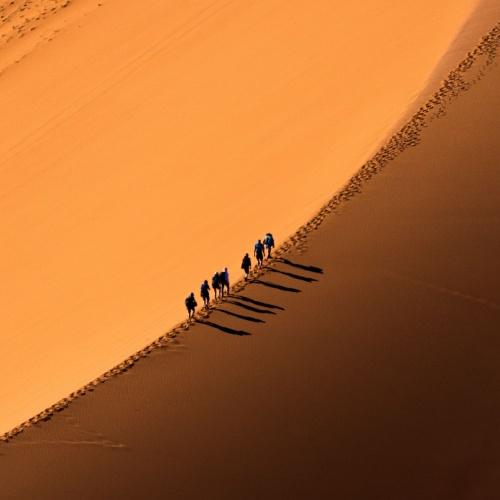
point(269, 241)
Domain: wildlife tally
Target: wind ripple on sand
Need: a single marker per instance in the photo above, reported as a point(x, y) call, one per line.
point(33, 23)
point(448, 291)
point(19, 17)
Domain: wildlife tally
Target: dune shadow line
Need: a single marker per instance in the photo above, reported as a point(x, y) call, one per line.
point(312, 269)
point(278, 287)
point(224, 329)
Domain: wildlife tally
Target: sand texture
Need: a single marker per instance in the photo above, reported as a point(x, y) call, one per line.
point(144, 145)
point(362, 364)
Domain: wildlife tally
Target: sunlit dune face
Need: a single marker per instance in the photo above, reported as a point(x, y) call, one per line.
point(143, 147)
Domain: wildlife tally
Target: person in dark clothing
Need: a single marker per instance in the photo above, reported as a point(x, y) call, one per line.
point(224, 282)
point(246, 264)
point(191, 305)
point(269, 244)
point(205, 293)
point(216, 285)
point(259, 252)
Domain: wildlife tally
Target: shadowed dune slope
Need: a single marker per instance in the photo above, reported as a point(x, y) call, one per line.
point(369, 369)
point(146, 144)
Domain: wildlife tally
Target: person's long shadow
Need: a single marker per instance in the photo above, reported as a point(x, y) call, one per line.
point(312, 269)
point(275, 285)
point(249, 308)
point(241, 316)
point(222, 328)
point(244, 302)
point(258, 302)
point(293, 275)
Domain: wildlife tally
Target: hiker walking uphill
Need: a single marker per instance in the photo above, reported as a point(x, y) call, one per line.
point(191, 305)
point(216, 285)
point(259, 252)
point(224, 282)
point(269, 244)
point(246, 264)
point(205, 293)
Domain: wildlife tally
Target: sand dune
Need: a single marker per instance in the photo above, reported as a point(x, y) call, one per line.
point(144, 146)
point(363, 363)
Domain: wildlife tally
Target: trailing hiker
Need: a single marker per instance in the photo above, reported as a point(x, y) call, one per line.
point(246, 264)
point(205, 293)
point(269, 244)
point(259, 252)
point(191, 305)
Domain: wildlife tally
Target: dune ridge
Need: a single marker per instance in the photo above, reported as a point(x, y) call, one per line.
point(467, 73)
point(94, 194)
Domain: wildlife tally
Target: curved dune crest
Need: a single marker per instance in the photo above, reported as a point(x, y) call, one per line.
point(468, 72)
point(142, 149)
point(362, 364)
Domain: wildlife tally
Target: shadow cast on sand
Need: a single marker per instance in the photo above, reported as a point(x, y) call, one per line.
point(258, 302)
point(225, 329)
point(312, 269)
point(249, 308)
point(293, 275)
point(241, 316)
point(275, 285)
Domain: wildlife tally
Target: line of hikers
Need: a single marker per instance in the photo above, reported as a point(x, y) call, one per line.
point(220, 280)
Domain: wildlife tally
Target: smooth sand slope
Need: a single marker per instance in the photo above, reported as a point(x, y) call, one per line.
point(364, 364)
point(143, 145)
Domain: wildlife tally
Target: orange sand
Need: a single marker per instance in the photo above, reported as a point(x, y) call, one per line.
point(145, 145)
point(363, 363)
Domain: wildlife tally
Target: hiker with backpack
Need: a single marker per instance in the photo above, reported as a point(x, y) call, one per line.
point(259, 252)
point(205, 293)
point(269, 244)
point(216, 284)
point(246, 264)
point(191, 305)
point(224, 281)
